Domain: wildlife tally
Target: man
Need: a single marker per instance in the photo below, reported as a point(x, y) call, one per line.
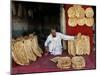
point(53, 43)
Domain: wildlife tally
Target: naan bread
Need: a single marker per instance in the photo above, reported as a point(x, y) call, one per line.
point(81, 21)
point(71, 12)
point(86, 44)
point(35, 48)
point(71, 47)
point(89, 21)
point(64, 62)
point(78, 62)
point(72, 22)
point(19, 54)
point(79, 45)
point(89, 12)
point(80, 12)
point(25, 49)
point(28, 49)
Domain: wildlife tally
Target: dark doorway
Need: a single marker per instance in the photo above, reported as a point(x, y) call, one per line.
point(42, 18)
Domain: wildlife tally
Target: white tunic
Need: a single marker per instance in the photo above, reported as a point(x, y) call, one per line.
point(54, 43)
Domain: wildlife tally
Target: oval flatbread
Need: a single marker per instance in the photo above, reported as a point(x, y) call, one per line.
point(86, 44)
point(71, 47)
point(71, 12)
point(19, 54)
point(78, 62)
point(64, 62)
point(72, 22)
point(81, 21)
point(78, 44)
point(89, 21)
point(89, 12)
point(34, 45)
point(28, 49)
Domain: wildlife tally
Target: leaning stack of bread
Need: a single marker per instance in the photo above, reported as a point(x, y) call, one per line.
point(62, 62)
point(79, 46)
point(25, 49)
point(78, 62)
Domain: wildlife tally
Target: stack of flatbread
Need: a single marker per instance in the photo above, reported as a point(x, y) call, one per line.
point(78, 16)
point(62, 62)
point(77, 62)
point(26, 49)
point(79, 46)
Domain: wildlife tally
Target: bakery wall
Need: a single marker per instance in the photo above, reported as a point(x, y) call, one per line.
point(89, 31)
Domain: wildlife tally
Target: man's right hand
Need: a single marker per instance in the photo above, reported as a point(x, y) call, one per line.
point(46, 51)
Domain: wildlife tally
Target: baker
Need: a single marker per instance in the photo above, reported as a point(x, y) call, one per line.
point(53, 43)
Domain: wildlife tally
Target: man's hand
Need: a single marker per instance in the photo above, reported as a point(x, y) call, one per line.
point(46, 51)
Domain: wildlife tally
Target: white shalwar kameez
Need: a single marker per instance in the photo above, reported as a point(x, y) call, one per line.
point(54, 43)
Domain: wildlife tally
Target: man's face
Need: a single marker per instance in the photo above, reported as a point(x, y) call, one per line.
point(53, 32)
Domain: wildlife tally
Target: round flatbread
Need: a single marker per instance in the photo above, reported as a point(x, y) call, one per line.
point(71, 12)
point(89, 12)
point(72, 22)
point(89, 21)
point(81, 21)
point(78, 62)
point(80, 12)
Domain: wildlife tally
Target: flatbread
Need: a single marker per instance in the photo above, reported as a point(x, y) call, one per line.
point(64, 62)
point(81, 21)
point(89, 21)
point(28, 49)
point(79, 46)
point(34, 45)
point(71, 12)
point(71, 47)
point(78, 62)
point(86, 44)
point(19, 54)
point(89, 12)
point(72, 22)
point(80, 12)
